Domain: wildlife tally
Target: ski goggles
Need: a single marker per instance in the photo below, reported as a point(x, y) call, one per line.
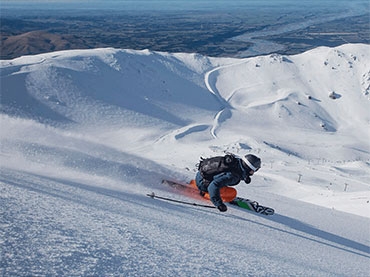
point(247, 163)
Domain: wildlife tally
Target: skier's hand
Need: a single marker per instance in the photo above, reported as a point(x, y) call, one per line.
point(247, 180)
point(222, 208)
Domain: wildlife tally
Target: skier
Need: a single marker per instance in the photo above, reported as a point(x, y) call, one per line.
point(216, 174)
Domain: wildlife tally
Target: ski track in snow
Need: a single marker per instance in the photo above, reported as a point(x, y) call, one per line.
point(85, 135)
point(210, 82)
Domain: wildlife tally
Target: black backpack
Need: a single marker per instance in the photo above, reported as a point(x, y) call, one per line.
point(210, 167)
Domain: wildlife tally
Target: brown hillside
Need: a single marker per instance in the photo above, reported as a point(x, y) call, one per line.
point(37, 42)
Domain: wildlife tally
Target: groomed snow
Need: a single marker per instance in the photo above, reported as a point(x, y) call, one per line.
point(86, 134)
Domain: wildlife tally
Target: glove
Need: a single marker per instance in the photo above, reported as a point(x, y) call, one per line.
point(222, 208)
point(247, 180)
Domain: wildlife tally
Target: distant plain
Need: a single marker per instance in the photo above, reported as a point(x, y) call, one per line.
point(238, 29)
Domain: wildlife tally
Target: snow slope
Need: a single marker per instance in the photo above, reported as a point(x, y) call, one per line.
point(86, 134)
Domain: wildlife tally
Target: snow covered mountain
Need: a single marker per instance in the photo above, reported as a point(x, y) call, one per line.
point(86, 134)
